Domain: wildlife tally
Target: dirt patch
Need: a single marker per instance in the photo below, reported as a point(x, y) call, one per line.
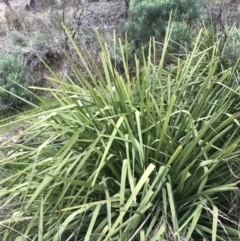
point(2, 9)
point(14, 5)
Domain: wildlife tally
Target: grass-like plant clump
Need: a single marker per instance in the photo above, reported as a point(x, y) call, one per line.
point(149, 156)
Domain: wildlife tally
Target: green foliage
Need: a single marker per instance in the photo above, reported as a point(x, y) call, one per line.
point(150, 18)
point(181, 37)
point(149, 157)
point(19, 39)
point(40, 40)
point(231, 50)
point(12, 81)
point(227, 51)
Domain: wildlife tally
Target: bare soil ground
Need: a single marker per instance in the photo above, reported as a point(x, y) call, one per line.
point(14, 4)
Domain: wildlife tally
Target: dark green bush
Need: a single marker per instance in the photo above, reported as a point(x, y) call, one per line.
point(40, 41)
point(12, 82)
point(149, 18)
point(19, 39)
point(181, 37)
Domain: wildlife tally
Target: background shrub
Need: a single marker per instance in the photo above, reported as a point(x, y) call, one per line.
point(231, 51)
point(181, 37)
point(12, 77)
point(40, 41)
point(19, 39)
point(149, 18)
